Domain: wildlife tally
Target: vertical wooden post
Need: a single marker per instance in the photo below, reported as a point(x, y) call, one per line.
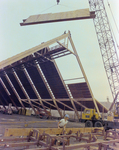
point(79, 62)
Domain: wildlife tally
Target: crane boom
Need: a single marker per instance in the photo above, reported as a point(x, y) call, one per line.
point(107, 46)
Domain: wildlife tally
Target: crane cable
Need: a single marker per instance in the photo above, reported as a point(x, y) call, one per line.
point(50, 6)
point(47, 8)
point(54, 6)
point(115, 24)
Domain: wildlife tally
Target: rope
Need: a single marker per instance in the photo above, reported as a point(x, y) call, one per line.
point(47, 8)
point(54, 6)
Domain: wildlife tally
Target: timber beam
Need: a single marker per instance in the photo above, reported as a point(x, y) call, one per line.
point(54, 131)
point(50, 141)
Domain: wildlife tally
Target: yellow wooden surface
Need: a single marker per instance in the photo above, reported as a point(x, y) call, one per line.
point(52, 131)
point(58, 16)
point(30, 51)
point(28, 112)
point(110, 118)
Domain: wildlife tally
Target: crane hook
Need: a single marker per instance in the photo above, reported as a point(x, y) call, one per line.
point(58, 2)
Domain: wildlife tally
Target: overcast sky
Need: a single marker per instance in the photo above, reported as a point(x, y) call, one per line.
point(15, 38)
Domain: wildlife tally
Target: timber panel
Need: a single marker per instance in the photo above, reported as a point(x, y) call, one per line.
point(38, 82)
point(13, 96)
point(79, 90)
point(53, 79)
point(56, 17)
point(26, 84)
point(16, 85)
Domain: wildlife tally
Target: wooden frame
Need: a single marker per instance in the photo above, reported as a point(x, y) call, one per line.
point(47, 139)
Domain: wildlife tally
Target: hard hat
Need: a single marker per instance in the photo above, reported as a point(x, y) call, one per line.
point(67, 115)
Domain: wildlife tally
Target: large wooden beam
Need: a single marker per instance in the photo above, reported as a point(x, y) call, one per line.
point(80, 65)
point(52, 131)
point(28, 52)
point(86, 145)
point(58, 17)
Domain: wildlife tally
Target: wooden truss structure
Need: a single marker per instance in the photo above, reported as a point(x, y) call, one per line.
point(64, 141)
point(32, 78)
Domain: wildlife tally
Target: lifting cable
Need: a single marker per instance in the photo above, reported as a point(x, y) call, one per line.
point(48, 8)
point(51, 6)
point(54, 6)
point(115, 24)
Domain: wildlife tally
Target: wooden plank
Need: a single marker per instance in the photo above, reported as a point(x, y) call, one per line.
point(58, 17)
point(83, 72)
point(114, 148)
point(52, 131)
point(85, 145)
point(13, 139)
point(19, 144)
point(38, 148)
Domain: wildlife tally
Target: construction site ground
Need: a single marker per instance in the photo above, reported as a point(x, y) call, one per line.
point(20, 121)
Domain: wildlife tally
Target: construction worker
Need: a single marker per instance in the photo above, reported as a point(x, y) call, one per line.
point(62, 123)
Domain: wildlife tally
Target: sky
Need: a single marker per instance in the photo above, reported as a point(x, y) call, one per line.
point(15, 38)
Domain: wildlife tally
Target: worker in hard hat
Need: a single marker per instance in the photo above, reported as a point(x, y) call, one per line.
point(62, 123)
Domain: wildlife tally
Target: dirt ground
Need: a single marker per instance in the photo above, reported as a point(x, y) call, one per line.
point(20, 121)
